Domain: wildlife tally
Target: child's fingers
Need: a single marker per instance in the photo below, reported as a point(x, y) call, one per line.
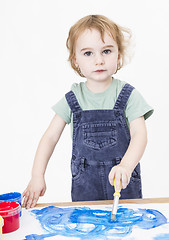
point(114, 174)
point(111, 177)
point(30, 200)
point(35, 199)
point(118, 178)
point(121, 177)
point(25, 195)
point(124, 181)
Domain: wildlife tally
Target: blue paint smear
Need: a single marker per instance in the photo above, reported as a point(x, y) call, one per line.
point(86, 223)
point(162, 236)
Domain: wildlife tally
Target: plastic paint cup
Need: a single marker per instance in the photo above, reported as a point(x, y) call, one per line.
point(11, 197)
point(10, 214)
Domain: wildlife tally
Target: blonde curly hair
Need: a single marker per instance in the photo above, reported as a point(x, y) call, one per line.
point(103, 24)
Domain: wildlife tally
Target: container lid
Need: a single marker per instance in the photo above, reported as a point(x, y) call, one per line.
point(9, 208)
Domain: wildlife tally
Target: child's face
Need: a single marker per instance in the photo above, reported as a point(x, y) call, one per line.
point(96, 59)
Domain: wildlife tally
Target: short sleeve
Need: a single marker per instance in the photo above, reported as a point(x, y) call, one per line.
point(137, 107)
point(62, 109)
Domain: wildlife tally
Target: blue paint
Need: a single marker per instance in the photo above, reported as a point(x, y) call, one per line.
point(162, 236)
point(86, 223)
point(12, 196)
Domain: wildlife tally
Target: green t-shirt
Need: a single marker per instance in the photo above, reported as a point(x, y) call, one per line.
point(136, 105)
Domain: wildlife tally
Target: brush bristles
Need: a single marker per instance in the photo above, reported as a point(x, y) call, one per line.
point(113, 217)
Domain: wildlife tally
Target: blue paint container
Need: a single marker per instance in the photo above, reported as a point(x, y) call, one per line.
point(11, 197)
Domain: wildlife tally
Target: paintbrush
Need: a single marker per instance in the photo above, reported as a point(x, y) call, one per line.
point(115, 202)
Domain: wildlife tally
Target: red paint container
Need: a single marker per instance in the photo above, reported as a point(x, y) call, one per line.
point(10, 214)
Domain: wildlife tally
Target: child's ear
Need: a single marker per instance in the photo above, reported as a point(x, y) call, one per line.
point(119, 56)
point(119, 59)
point(75, 62)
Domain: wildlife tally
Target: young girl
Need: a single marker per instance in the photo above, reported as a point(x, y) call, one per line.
point(107, 117)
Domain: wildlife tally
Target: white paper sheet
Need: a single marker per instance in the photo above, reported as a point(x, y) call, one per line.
point(134, 221)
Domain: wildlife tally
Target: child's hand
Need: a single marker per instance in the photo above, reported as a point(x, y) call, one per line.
point(34, 190)
point(121, 174)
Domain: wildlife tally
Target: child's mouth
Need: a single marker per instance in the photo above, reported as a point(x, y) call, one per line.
point(100, 71)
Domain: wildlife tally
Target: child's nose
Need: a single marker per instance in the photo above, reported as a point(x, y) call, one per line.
point(99, 59)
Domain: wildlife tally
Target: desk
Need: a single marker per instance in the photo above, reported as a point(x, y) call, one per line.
point(107, 202)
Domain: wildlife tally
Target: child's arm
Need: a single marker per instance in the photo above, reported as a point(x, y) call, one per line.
point(37, 186)
point(122, 172)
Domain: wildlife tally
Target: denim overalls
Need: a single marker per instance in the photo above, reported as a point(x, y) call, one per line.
point(100, 139)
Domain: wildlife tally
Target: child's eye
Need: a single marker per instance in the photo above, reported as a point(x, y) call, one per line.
point(88, 53)
point(107, 51)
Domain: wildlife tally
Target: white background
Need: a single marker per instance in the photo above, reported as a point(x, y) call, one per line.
point(35, 74)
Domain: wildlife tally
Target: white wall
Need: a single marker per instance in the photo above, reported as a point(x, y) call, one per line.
point(35, 74)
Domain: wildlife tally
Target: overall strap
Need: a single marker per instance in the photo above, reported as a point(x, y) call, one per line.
point(72, 102)
point(123, 97)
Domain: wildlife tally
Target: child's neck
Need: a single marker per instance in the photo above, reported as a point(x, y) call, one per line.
point(98, 87)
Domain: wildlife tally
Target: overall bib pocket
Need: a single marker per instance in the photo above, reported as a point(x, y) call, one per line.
point(98, 135)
